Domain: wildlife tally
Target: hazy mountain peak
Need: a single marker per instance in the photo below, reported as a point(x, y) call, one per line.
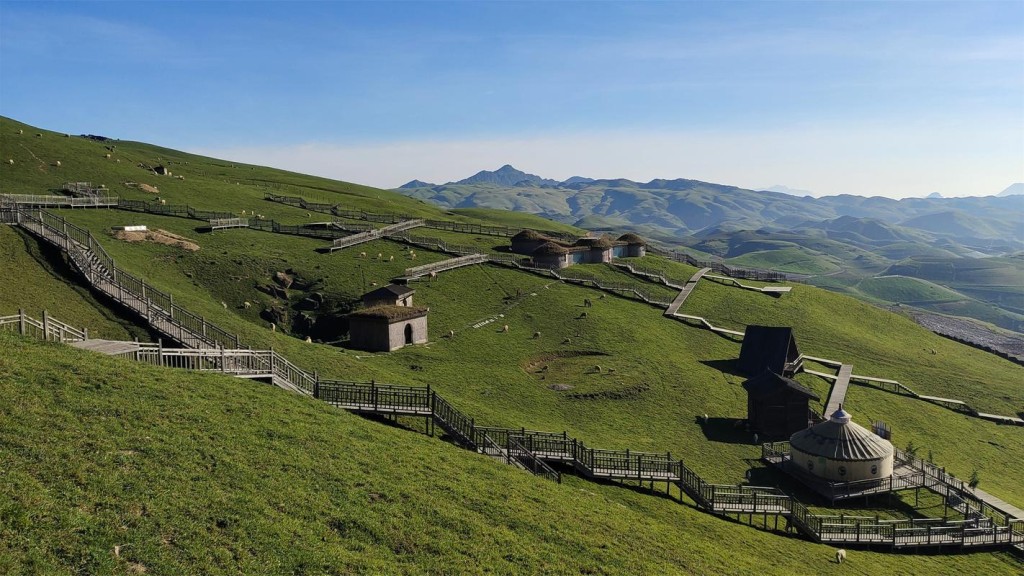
point(417, 184)
point(507, 175)
point(787, 190)
point(934, 195)
point(1013, 190)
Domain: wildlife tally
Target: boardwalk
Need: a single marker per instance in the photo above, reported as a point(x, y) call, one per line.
point(108, 347)
point(766, 289)
point(375, 234)
point(221, 223)
point(839, 387)
point(444, 265)
point(685, 292)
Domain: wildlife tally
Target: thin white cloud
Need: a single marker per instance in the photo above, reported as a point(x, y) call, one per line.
point(868, 160)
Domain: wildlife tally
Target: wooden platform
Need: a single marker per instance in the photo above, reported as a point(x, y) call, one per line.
point(839, 387)
point(685, 292)
point(765, 289)
point(108, 347)
point(221, 223)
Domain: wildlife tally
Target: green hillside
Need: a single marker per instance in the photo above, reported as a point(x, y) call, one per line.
point(115, 468)
point(655, 377)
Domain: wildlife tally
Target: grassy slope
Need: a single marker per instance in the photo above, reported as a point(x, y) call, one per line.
point(483, 371)
point(195, 473)
point(40, 288)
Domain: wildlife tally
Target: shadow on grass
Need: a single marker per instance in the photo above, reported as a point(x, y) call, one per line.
point(726, 430)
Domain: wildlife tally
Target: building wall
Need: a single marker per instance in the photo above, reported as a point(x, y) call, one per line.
point(377, 335)
point(527, 246)
point(636, 251)
point(832, 470)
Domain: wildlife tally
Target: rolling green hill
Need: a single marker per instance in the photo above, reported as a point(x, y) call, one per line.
point(656, 377)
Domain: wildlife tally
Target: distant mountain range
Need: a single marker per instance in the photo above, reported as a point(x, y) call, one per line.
point(674, 209)
point(839, 242)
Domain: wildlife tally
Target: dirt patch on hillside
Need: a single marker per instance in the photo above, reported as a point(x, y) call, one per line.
point(143, 187)
point(158, 236)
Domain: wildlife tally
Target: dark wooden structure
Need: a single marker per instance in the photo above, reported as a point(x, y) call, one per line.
point(769, 347)
point(776, 405)
point(390, 295)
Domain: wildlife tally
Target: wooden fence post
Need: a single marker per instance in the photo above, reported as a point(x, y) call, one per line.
point(160, 351)
point(21, 321)
point(46, 327)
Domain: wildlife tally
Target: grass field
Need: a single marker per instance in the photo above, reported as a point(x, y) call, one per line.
point(115, 468)
point(626, 376)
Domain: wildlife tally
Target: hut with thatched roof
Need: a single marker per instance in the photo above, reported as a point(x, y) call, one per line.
point(777, 406)
point(551, 255)
point(527, 241)
point(386, 328)
point(635, 246)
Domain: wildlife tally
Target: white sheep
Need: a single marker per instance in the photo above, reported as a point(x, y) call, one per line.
point(107, 156)
point(307, 215)
point(57, 163)
point(840, 556)
point(163, 202)
point(705, 418)
point(273, 327)
point(536, 335)
point(362, 254)
point(567, 341)
point(380, 256)
point(11, 161)
point(451, 333)
point(224, 304)
point(391, 258)
point(412, 256)
point(309, 340)
point(118, 160)
point(373, 283)
point(504, 328)
point(21, 131)
point(433, 275)
point(246, 305)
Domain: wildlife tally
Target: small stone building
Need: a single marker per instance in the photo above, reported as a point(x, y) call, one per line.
point(839, 450)
point(634, 246)
point(527, 241)
point(551, 255)
point(386, 328)
point(777, 406)
point(769, 347)
point(390, 295)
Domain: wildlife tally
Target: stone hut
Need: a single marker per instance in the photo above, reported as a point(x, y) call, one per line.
point(777, 406)
point(769, 347)
point(390, 295)
point(635, 246)
point(594, 250)
point(386, 328)
point(839, 450)
point(527, 241)
point(551, 255)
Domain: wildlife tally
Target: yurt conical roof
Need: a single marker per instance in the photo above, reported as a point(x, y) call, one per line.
point(838, 438)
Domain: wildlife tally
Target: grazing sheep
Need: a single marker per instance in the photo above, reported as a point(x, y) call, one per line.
point(163, 202)
point(433, 275)
point(21, 131)
point(504, 328)
point(11, 161)
point(362, 254)
point(273, 327)
point(307, 215)
point(451, 333)
point(840, 556)
point(536, 335)
point(246, 305)
point(412, 256)
point(601, 297)
point(391, 258)
point(309, 340)
point(380, 256)
point(567, 341)
point(597, 367)
point(118, 160)
point(583, 314)
point(57, 164)
point(107, 156)
point(705, 419)
point(373, 283)
point(224, 304)
point(39, 135)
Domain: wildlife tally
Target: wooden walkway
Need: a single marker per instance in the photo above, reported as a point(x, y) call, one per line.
point(685, 292)
point(444, 265)
point(221, 223)
point(374, 234)
point(53, 201)
point(839, 387)
point(764, 289)
point(108, 347)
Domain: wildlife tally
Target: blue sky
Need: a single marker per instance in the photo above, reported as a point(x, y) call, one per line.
point(895, 99)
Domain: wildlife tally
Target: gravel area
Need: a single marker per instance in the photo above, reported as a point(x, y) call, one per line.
point(973, 333)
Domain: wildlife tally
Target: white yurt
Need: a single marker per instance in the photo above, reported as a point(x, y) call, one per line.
point(838, 450)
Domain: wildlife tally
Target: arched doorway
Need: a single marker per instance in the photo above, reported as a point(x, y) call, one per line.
point(408, 333)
